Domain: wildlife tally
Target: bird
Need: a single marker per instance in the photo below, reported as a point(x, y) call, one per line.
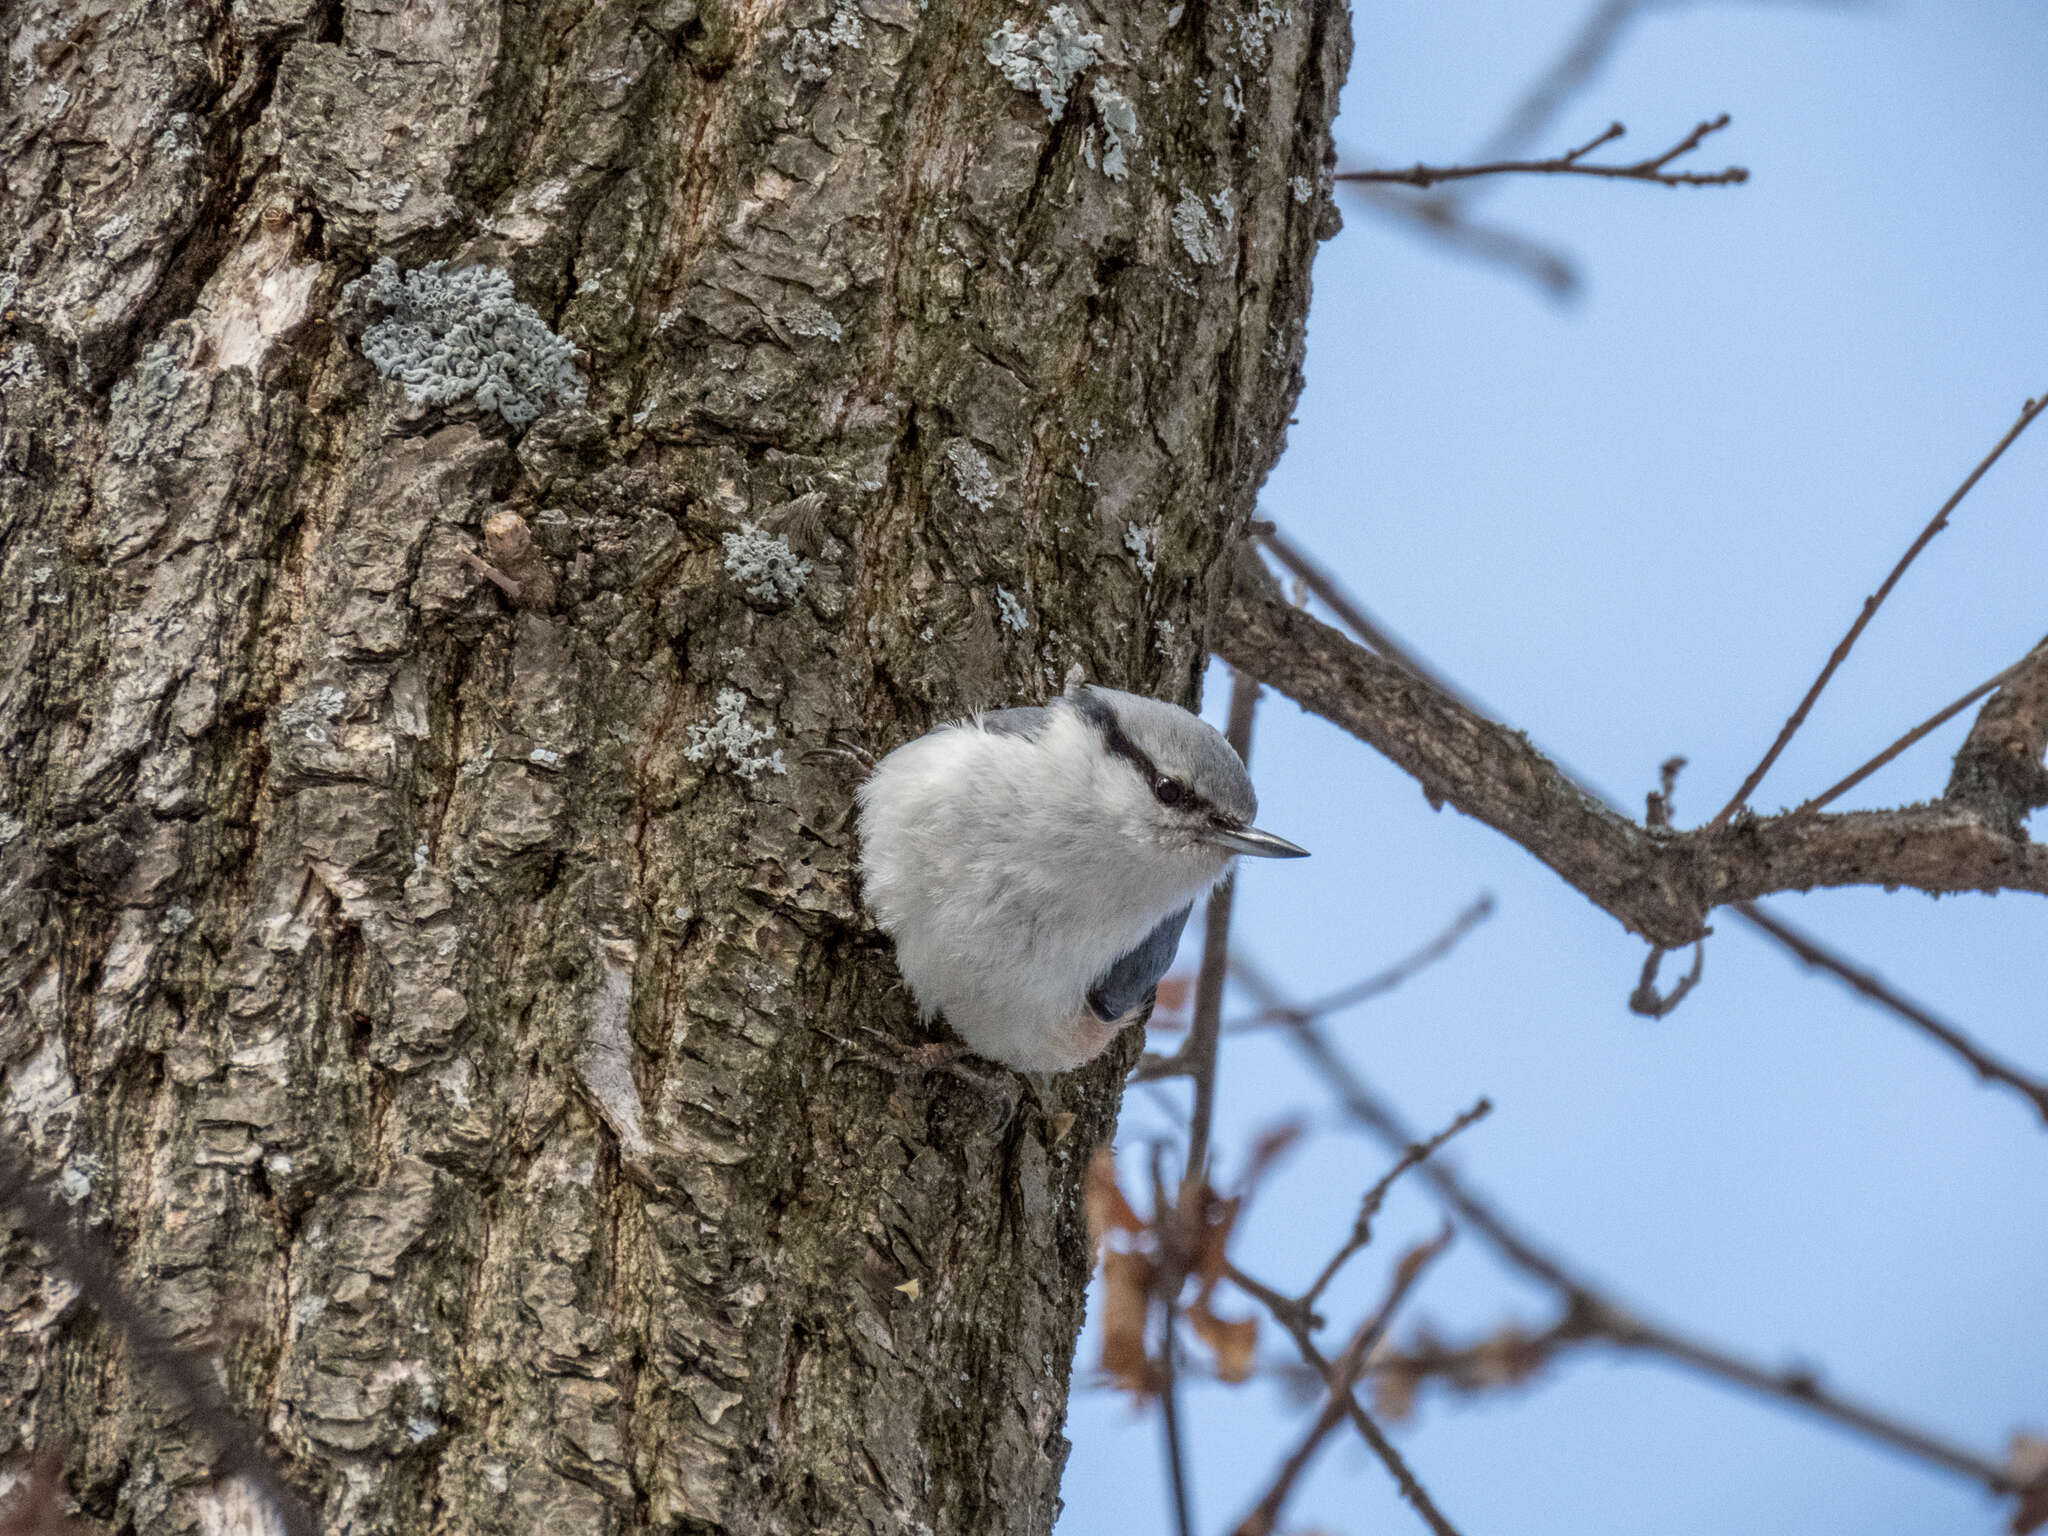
point(1035, 866)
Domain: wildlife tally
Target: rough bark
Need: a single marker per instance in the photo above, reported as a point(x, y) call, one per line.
point(441, 1012)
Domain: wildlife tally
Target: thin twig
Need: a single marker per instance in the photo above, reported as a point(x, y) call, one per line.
point(1169, 1416)
point(1609, 1320)
point(1567, 75)
point(80, 1253)
point(1805, 947)
point(1356, 619)
point(1440, 219)
point(1380, 982)
point(1342, 1379)
point(1390, 1458)
point(1442, 216)
point(1589, 49)
point(1573, 163)
point(1369, 1208)
point(1933, 723)
point(1871, 604)
point(1647, 1001)
point(1199, 1050)
point(1397, 1466)
point(1164, 1224)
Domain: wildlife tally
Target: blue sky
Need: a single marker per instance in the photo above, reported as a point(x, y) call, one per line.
point(1634, 526)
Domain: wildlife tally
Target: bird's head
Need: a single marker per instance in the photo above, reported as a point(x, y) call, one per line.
point(1176, 777)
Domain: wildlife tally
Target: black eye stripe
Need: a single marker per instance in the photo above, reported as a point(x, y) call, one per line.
point(1103, 718)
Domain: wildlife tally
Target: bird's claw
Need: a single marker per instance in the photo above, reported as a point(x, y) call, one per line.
point(841, 745)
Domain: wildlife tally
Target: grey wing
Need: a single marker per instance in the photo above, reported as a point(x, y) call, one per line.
point(1025, 720)
point(1134, 980)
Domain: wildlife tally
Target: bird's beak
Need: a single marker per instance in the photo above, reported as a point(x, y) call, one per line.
point(1256, 844)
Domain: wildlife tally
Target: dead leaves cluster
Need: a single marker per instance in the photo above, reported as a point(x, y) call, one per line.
point(1507, 1357)
point(1147, 1262)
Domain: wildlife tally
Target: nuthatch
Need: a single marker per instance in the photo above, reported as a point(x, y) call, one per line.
point(1036, 866)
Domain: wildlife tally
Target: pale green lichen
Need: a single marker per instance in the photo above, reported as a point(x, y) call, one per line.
point(973, 477)
point(461, 335)
point(764, 565)
point(1143, 543)
point(1046, 62)
point(147, 418)
point(809, 54)
point(20, 368)
point(1119, 124)
point(727, 735)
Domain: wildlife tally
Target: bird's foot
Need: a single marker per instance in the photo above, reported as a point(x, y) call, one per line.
point(844, 746)
point(947, 1056)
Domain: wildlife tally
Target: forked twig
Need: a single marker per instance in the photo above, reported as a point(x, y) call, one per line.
point(1341, 1379)
point(1932, 723)
point(1573, 163)
point(1871, 604)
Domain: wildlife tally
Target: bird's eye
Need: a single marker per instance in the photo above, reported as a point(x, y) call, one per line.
point(1170, 792)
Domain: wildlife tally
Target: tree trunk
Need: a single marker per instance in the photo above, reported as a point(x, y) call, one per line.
point(446, 989)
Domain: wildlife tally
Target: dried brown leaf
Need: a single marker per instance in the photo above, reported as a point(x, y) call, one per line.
point(1394, 1385)
point(1173, 994)
point(1232, 1342)
point(1274, 1143)
point(1126, 1302)
point(1506, 1359)
point(1107, 1208)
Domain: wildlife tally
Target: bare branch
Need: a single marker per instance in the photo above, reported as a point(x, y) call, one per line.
point(1658, 883)
point(80, 1254)
point(2000, 760)
point(1369, 1208)
point(1868, 984)
point(1169, 1418)
point(1582, 57)
point(1573, 163)
point(1356, 619)
point(1646, 1000)
point(1199, 1050)
point(1871, 604)
point(1341, 1377)
point(1441, 220)
point(1599, 1316)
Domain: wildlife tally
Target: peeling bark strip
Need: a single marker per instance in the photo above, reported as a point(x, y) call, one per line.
point(1660, 883)
point(399, 964)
